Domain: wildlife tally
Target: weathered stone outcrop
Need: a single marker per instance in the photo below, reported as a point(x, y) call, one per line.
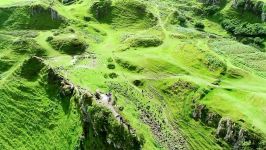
point(256, 7)
point(233, 133)
point(202, 113)
point(38, 9)
point(99, 122)
point(236, 136)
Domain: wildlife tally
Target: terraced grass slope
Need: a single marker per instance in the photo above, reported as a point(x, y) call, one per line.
point(132, 74)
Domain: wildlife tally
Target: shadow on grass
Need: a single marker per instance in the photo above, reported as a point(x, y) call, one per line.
point(53, 92)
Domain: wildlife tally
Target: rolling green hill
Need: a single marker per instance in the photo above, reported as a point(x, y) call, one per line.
point(132, 74)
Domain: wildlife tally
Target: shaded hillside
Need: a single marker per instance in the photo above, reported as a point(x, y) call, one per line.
point(132, 74)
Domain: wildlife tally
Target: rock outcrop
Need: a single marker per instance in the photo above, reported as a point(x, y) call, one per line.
point(233, 133)
point(201, 112)
point(99, 122)
point(38, 9)
point(236, 136)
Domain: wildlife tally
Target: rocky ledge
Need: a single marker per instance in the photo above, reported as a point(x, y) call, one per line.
point(98, 116)
point(231, 132)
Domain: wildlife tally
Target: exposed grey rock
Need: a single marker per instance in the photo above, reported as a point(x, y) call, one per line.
point(226, 129)
point(38, 9)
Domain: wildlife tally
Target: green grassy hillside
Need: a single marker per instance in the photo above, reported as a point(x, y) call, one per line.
point(33, 115)
point(177, 70)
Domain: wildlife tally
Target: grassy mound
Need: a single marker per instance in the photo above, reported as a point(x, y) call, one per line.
point(102, 10)
point(143, 41)
point(69, 44)
point(181, 88)
point(31, 68)
point(129, 66)
point(170, 67)
point(214, 64)
point(27, 46)
point(37, 17)
point(126, 13)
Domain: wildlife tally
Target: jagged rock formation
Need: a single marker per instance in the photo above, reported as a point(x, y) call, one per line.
point(96, 119)
point(235, 135)
point(256, 7)
point(38, 9)
point(231, 132)
point(202, 113)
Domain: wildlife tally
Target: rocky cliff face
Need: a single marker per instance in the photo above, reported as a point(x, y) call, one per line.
point(202, 113)
point(233, 133)
point(258, 8)
point(37, 9)
point(101, 129)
